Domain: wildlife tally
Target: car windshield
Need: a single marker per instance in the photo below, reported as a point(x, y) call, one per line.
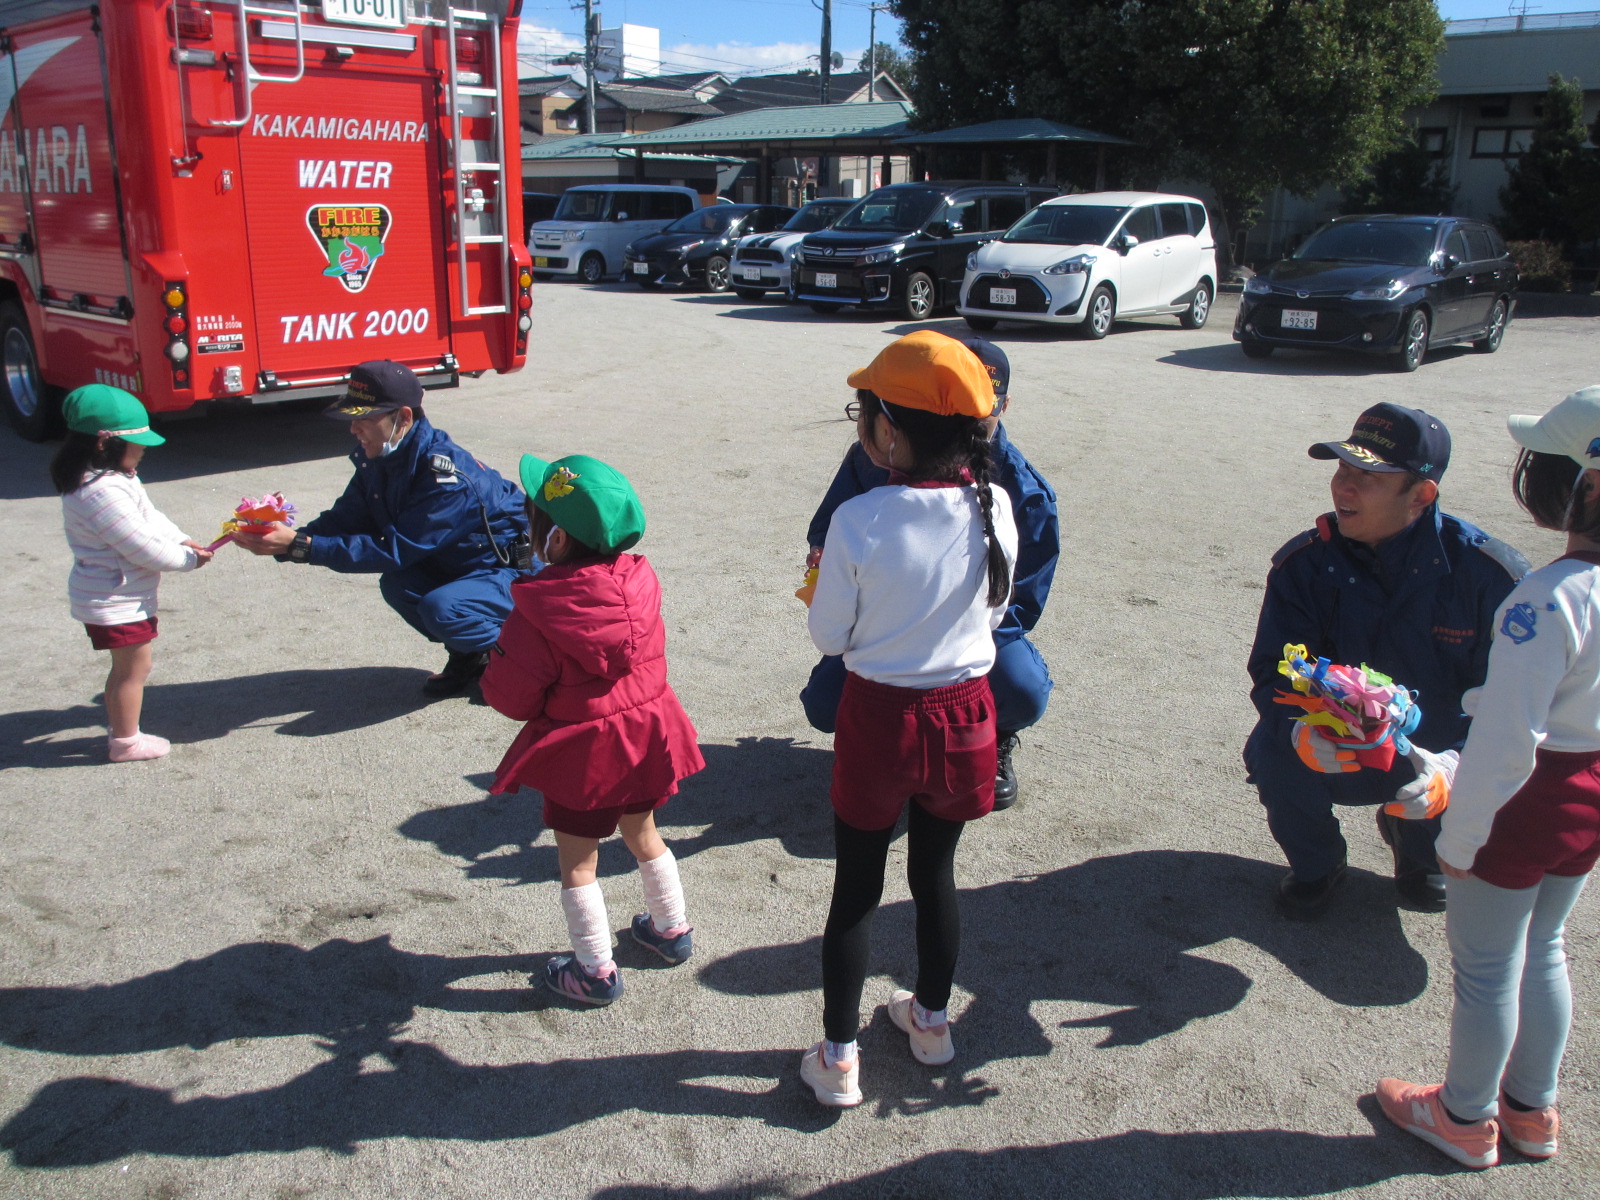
point(583, 206)
point(891, 212)
point(1066, 225)
point(1393, 243)
point(814, 217)
point(713, 219)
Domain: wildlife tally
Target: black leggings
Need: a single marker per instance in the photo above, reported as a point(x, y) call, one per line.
point(860, 857)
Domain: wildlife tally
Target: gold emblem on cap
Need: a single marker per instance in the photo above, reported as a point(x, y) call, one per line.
point(1364, 454)
point(559, 483)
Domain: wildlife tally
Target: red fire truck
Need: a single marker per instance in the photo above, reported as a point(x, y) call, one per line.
point(204, 200)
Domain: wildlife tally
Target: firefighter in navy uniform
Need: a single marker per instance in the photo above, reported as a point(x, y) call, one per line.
point(1388, 580)
point(440, 528)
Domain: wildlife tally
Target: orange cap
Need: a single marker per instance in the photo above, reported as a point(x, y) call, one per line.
point(930, 371)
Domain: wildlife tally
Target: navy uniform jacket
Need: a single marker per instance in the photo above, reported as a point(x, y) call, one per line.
point(1420, 608)
point(423, 504)
point(1033, 504)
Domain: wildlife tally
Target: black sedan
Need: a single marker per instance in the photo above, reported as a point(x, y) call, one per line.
point(1386, 285)
point(696, 248)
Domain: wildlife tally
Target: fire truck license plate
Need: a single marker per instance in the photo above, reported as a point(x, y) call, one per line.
point(1002, 295)
point(827, 280)
point(1298, 318)
point(389, 13)
point(753, 274)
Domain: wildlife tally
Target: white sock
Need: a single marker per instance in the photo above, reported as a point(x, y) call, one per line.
point(588, 926)
point(927, 1018)
point(663, 893)
point(834, 1053)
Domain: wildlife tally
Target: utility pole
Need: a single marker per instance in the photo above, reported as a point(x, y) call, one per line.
point(827, 46)
point(872, 53)
point(591, 55)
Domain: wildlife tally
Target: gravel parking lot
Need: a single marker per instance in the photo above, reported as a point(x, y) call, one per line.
point(292, 959)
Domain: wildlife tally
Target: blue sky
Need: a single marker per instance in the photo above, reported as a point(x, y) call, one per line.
point(746, 36)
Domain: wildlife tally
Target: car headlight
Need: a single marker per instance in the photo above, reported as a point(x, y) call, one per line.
point(1257, 285)
point(1078, 264)
point(881, 255)
point(1389, 289)
point(972, 261)
point(692, 245)
point(574, 235)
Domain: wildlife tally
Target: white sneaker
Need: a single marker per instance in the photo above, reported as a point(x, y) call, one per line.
point(838, 1086)
point(932, 1046)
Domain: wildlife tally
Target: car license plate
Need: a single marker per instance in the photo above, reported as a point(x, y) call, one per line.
point(1297, 318)
point(541, 262)
point(641, 268)
point(827, 280)
point(1002, 295)
point(753, 274)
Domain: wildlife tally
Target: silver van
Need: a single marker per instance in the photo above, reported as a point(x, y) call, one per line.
point(595, 222)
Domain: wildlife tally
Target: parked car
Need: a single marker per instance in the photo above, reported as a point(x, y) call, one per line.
point(761, 260)
point(1088, 259)
point(594, 223)
point(699, 247)
point(539, 206)
point(904, 246)
point(1385, 285)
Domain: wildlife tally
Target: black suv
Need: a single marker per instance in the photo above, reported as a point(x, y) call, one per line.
point(905, 246)
point(1384, 284)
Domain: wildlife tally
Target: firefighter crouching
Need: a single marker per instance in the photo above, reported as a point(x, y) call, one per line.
point(440, 528)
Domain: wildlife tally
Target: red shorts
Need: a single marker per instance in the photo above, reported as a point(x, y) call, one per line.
point(1550, 827)
point(932, 745)
point(593, 822)
point(115, 637)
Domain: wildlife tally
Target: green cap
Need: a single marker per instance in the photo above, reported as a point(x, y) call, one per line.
point(98, 408)
point(591, 501)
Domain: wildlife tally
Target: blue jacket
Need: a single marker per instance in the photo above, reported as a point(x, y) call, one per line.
point(425, 503)
point(1033, 503)
point(1420, 608)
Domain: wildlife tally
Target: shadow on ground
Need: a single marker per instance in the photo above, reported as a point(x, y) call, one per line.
point(760, 787)
point(1121, 933)
point(305, 703)
point(1227, 357)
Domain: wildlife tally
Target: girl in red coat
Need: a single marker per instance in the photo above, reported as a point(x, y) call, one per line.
point(582, 659)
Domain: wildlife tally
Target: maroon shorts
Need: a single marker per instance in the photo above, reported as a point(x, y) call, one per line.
point(935, 746)
point(1550, 827)
point(593, 822)
point(116, 637)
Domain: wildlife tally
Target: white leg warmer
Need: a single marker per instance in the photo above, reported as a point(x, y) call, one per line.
point(663, 893)
point(587, 925)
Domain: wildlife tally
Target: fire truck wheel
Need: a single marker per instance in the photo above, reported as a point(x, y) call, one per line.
point(32, 406)
point(592, 268)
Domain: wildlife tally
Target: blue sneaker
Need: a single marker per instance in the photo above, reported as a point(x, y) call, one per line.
point(675, 947)
point(566, 976)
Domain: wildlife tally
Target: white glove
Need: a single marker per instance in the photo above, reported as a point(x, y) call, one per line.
point(1429, 793)
point(1318, 753)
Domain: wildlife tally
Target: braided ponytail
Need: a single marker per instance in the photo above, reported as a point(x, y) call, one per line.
point(982, 461)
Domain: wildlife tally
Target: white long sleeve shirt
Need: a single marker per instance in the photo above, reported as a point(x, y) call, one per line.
point(120, 545)
point(1543, 690)
point(902, 589)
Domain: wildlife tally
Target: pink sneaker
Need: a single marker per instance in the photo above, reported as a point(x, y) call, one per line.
point(931, 1046)
point(137, 748)
point(1532, 1134)
point(1417, 1109)
point(838, 1085)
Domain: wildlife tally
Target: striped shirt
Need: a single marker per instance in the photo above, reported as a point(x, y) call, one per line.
point(120, 545)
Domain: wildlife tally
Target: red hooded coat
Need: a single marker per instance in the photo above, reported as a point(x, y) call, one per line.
point(582, 659)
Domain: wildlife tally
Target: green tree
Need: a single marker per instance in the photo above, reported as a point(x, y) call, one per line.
point(1406, 180)
point(1244, 95)
point(1552, 191)
point(892, 61)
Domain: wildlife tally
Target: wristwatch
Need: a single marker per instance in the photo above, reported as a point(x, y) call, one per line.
point(300, 549)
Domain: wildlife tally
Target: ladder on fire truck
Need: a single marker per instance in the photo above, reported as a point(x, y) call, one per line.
point(472, 200)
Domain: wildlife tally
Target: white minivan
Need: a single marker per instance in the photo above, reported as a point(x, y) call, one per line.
point(1088, 259)
point(595, 222)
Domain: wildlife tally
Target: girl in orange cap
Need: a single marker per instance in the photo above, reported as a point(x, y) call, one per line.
point(914, 578)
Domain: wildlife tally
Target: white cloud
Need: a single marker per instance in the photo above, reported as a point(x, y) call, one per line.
point(541, 43)
point(734, 58)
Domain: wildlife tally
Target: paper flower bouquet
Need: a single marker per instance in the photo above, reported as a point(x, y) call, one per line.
point(255, 515)
point(1355, 707)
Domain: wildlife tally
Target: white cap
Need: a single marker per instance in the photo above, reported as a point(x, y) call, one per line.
point(1571, 428)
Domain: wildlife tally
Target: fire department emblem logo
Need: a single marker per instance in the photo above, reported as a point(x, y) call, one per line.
point(352, 237)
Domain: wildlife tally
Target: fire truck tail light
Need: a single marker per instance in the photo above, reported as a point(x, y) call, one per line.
point(524, 323)
point(177, 351)
point(174, 297)
point(180, 377)
point(469, 50)
point(176, 325)
point(525, 279)
point(526, 302)
point(194, 21)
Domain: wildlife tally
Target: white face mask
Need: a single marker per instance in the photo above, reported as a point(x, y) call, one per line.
point(393, 444)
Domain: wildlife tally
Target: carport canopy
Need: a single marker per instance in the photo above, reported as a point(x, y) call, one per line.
point(1018, 132)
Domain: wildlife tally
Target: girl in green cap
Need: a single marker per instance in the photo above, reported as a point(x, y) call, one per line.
point(582, 659)
point(120, 545)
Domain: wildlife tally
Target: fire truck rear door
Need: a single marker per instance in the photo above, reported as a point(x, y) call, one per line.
point(345, 222)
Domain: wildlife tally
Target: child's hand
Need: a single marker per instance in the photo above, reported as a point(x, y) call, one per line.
point(813, 557)
point(202, 555)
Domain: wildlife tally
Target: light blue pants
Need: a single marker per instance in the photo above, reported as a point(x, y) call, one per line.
point(1513, 1001)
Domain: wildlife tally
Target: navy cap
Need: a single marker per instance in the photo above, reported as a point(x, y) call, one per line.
point(994, 361)
point(1389, 438)
point(375, 388)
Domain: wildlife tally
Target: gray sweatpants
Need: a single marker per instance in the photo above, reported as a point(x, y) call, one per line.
point(1513, 1004)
